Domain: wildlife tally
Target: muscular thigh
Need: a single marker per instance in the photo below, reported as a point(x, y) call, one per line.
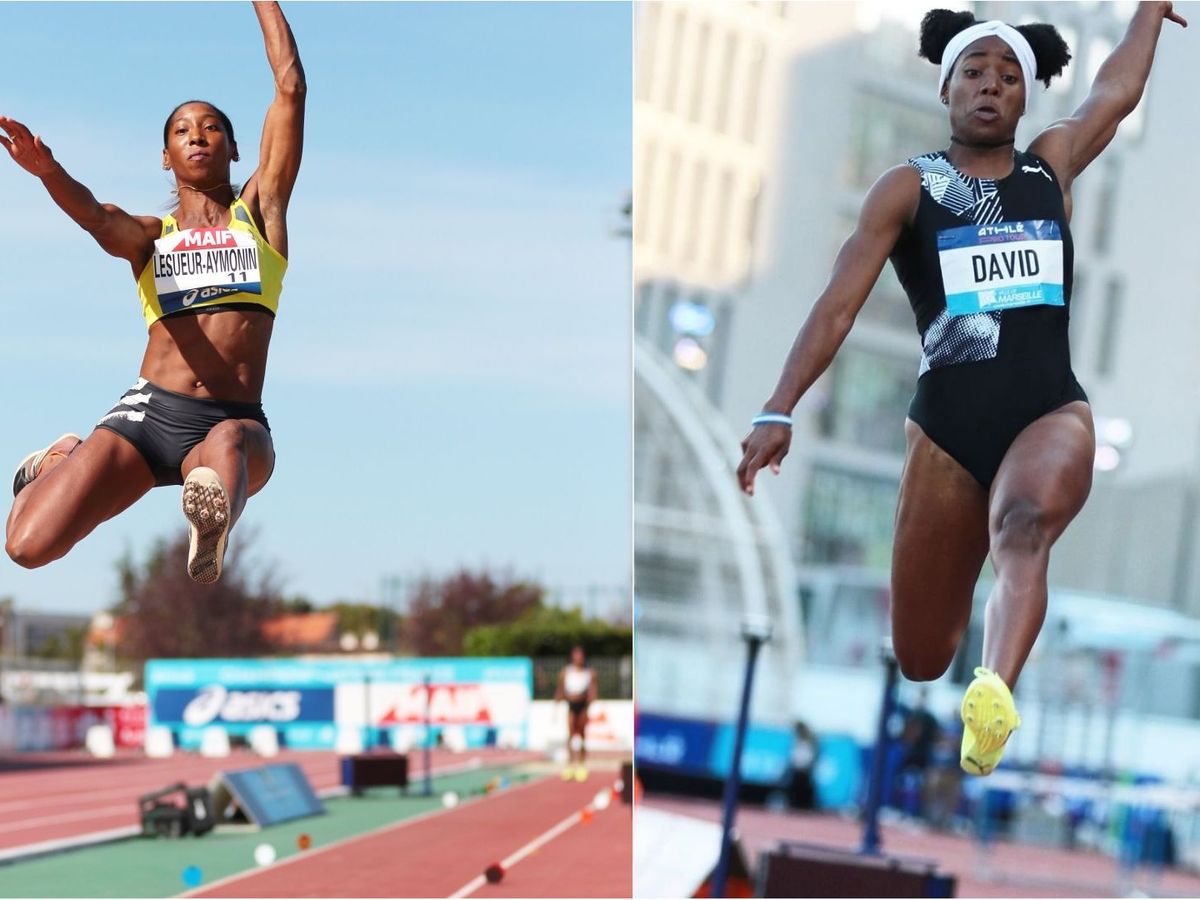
point(260, 456)
point(102, 476)
point(1048, 468)
point(941, 543)
point(257, 446)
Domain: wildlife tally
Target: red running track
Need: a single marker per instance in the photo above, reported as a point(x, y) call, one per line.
point(57, 796)
point(593, 859)
point(438, 854)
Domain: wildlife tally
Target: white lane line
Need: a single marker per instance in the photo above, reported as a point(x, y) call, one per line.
point(46, 848)
point(508, 862)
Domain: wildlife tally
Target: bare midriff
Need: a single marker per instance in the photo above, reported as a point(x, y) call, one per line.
point(218, 355)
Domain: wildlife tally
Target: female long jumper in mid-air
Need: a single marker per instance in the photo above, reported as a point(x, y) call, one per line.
point(209, 276)
point(1000, 437)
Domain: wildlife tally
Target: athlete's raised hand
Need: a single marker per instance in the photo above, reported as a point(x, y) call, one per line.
point(27, 150)
point(1168, 13)
point(765, 445)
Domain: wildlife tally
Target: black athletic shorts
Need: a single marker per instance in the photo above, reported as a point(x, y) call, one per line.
point(577, 706)
point(164, 426)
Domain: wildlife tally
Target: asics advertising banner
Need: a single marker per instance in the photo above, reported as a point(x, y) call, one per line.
point(473, 700)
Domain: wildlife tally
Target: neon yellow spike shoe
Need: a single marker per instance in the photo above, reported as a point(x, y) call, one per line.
point(989, 717)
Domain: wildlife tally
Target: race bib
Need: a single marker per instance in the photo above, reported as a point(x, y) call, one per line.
point(204, 264)
point(987, 268)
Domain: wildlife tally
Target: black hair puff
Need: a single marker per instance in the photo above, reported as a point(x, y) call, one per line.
point(937, 28)
point(1050, 51)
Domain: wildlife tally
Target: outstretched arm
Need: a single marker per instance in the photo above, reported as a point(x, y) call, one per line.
point(889, 206)
point(1070, 144)
point(120, 234)
point(270, 187)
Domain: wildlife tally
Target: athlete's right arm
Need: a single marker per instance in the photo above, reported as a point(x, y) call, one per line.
point(889, 206)
point(117, 232)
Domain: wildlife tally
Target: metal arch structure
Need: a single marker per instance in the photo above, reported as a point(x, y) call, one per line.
point(716, 513)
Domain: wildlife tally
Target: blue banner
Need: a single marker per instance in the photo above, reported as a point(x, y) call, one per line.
point(698, 747)
point(673, 743)
point(216, 704)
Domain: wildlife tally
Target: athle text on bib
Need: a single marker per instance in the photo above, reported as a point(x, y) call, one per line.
point(202, 264)
point(986, 268)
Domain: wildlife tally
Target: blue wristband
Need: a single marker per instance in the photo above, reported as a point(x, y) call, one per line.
point(771, 419)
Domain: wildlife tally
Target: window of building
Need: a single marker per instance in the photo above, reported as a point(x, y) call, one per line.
point(643, 309)
point(667, 295)
point(672, 55)
point(664, 577)
point(725, 83)
point(1106, 204)
point(754, 76)
point(667, 213)
point(843, 627)
point(643, 188)
point(695, 220)
point(647, 52)
point(1110, 320)
point(699, 85)
point(753, 200)
point(720, 231)
point(869, 394)
point(885, 132)
point(848, 518)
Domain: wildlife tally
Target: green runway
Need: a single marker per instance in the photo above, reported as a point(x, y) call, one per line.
point(143, 867)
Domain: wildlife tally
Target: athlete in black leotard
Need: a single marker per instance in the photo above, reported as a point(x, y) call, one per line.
point(1000, 437)
point(996, 356)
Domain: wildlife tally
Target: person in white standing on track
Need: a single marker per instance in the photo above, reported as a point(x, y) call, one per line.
point(576, 686)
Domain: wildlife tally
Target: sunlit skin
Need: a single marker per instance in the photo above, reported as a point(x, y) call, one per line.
point(947, 524)
point(209, 354)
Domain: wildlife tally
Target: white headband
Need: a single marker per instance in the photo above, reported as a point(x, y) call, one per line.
point(1006, 33)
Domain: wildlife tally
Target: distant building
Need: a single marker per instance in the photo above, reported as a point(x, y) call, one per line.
point(314, 632)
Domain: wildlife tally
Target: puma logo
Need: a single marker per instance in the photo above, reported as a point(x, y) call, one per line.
point(1037, 168)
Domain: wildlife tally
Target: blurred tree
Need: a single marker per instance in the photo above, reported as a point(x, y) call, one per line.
point(361, 618)
point(442, 612)
point(168, 615)
point(298, 604)
point(549, 631)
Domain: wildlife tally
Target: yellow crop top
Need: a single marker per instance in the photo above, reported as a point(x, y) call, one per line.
point(200, 267)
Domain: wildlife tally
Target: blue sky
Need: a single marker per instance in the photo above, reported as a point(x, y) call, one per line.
point(449, 381)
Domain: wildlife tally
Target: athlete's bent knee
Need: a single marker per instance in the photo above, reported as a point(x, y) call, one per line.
point(922, 666)
point(26, 550)
point(230, 434)
point(1020, 528)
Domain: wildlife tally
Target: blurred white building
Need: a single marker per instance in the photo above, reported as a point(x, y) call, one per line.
point(758, 129)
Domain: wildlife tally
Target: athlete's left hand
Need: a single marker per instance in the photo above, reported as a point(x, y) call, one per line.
point(764, 447)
